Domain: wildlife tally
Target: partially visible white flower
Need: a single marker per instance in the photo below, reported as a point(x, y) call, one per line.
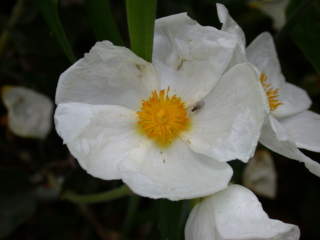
point(166, 128)
point(289, 124)
point(276, 9)
point(235, 213)
point(29, 112)
point(260, 174)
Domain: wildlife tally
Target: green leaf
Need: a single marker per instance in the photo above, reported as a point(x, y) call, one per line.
point(49, 11)
point(305, 31)
point(102, 22)
point(17, 201)
point(141, 16)
point(172, 217)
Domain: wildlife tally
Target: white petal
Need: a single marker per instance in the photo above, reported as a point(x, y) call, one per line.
point(99, 136)
point(304, 130)
point(260, 175)
point(229, 25)
point(190, 58)
point(29, 112)
point(294, 100)
point(275, 137)
point(235, 213)
point(174, 173)
point(228, 124)
point(262, 53)
point(109, 75)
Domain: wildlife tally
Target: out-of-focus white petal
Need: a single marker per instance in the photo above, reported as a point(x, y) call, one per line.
point(99, 136)
point(260, 175)
point(228, 124)
point(174, 173)
point(235, 213)
point(304, 130)
point(275, 137)
point(276, 9)
point(190, 58)
point(262, 53)
point(229, 25)
point(29, 112)
point(109, 75)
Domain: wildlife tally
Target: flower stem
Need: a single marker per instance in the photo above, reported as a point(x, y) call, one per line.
point(98, 197)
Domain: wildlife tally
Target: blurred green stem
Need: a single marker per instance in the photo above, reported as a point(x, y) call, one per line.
point(16, 13)
point(132, 209)
point(98, 197)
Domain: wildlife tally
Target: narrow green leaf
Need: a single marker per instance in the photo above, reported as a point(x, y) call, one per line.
point(102, 22)
point(49, 11)
point(141, 16)
point(306, 30)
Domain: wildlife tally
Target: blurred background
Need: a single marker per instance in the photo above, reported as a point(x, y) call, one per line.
point(35, 170)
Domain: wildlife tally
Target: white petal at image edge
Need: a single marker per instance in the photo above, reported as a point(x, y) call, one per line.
point(235, 213)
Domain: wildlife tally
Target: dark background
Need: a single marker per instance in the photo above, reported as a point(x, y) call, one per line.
point(33, 173)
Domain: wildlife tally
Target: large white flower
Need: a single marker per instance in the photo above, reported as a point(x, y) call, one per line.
point(235, 214)
point(29, 112)
point(167, 128)
point(289, 124)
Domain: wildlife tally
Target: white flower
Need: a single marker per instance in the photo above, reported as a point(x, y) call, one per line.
point(167, 128)
point(29, 112)
point(235, 213)
point(260, 174)
point(289, 124)
point(276, 9)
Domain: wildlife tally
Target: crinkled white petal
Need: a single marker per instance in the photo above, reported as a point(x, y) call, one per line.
point(262, 53)
point(229, 25)
point(304, 130)
point(235, 214)
point(276, 9)
point(99, 136)
point(29, 112)
point(228, 124)
point(109, 75)
point(174, 173)
point(275, 137)
point(260, 175)
point(190, 58)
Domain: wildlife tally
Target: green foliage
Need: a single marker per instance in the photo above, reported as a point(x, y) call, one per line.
point(49, 10)
point(172, 217)
point(305, 31)
point(141, 16)
point(102, 22)
point(17, 201)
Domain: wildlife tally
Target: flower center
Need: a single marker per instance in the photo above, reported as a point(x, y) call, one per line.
point(162, 118)
point(272, 93)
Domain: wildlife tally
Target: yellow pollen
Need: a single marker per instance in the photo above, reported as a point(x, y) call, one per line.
point(272, 93)
point(162, 117)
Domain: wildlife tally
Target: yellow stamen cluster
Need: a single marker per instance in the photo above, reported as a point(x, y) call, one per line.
point(162, 118)
point(272, 93)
